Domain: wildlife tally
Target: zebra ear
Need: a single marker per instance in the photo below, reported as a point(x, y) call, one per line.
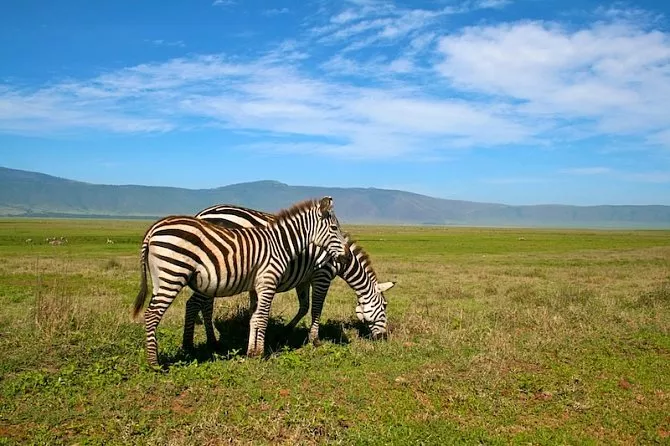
point(381, 287)
point(326, 206)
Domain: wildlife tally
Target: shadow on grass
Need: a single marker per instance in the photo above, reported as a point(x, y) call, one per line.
point(233, 333)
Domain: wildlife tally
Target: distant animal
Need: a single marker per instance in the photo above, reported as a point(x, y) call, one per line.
point(55, 242)
point(29, 240)
point(217, 262)
point(312, 268)
point(110, 241)
point(521, 239)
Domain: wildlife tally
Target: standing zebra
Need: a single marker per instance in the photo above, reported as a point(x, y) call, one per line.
point(218, 262)
point(311, 268)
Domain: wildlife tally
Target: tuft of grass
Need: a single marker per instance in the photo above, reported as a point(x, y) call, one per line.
point(569, 294)
point(56, 310)
point(112, 264)
point(523, 292)
point(659, 296)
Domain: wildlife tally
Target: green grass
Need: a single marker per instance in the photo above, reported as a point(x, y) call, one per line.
point(498, 336)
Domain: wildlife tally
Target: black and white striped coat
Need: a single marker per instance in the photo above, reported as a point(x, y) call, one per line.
point(312, 268)
point(217, 262)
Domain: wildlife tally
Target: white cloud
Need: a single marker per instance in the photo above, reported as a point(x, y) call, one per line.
point(638, 177)
point(446, 118)
point(407, 34)
point(486, 4)
point(161, 42)
point(620, 11)
point(345, 16)
point(368, 29)
point(587, 170)
point(276, 11)
point(401, 65)
point(523, 83)
point(224, 2)
point(514, 180)
point(54, 110)
point(422, 41)
point(615, 77)
point(373, 22)
point(648, 177)
point(267, 96)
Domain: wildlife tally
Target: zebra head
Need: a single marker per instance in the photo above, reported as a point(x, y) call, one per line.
point(329, 235)
point(372, 309)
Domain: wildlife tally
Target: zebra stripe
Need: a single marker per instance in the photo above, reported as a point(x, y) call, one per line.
point(216, 262)
point(312, 268)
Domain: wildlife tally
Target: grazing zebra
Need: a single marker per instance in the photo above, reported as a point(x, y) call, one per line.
point(218, 262)
point(311, 268)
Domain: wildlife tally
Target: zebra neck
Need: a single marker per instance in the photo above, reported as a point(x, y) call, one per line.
point(292, 238)
point(357, 276)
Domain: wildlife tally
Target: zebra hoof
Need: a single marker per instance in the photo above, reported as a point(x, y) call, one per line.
point(154, 366)
point(255, 353)
point(316, 342)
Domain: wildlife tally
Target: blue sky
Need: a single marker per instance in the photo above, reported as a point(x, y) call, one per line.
point(511, 101)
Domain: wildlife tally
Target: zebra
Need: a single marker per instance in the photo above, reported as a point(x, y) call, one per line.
point(311, 268)
point(217, 262)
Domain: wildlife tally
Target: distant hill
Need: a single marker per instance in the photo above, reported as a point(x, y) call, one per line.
point(26, 194)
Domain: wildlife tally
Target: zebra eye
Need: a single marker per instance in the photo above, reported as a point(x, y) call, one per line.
point(333, 227)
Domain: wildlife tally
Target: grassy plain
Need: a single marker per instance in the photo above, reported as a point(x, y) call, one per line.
point(499, 336)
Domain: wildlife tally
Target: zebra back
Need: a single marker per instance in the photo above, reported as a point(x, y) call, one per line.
point(231, 216)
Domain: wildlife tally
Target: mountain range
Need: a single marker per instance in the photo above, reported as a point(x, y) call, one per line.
point(32, 194)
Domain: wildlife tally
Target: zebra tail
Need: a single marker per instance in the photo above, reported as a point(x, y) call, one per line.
point(142, 295)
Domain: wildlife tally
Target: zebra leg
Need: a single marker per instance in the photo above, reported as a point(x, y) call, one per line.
point(193, 305)
point(253, 301)
point(152, 317)
point(320, 287)
point(198, 302)
point(207, 307)
point(303, 300)
point(259, 321)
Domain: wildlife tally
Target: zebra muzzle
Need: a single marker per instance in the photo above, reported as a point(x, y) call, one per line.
point(379, 336)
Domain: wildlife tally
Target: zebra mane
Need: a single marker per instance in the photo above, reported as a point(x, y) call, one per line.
point(362, 256)
point(294, 210)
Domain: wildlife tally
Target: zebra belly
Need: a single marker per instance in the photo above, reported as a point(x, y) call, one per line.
point(221, 284)
point(224, 284)
point(302, 268)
